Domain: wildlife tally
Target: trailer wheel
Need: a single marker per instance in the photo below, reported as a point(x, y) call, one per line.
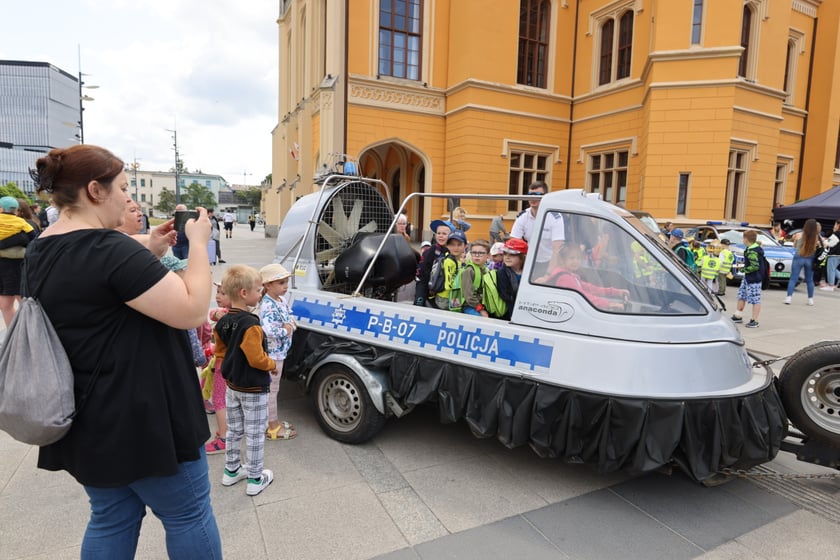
point(810, 390)
point(343, 407)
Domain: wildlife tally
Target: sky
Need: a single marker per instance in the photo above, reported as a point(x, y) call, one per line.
point(206, 68)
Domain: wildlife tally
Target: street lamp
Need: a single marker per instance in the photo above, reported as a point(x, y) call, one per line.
point(134, 167)
point(82, 98)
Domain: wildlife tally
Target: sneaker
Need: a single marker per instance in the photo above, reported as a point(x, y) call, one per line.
point(215, 447)
point(222, 261)
point(752, 324)
point(257, 485)
point(231, 478)
point(787, 300)
point(827, 288)
point(737, 319)
point(810, 301)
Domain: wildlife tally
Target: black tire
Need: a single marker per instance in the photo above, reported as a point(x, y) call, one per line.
point(810, 390)
point(343, 407)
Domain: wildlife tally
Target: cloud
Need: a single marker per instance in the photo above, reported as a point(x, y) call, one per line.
point(207, 68)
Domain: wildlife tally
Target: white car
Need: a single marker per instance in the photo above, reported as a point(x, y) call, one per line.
point(630, 367)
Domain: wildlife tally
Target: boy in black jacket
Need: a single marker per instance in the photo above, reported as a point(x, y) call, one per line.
point(246, 368)
point(750, 290)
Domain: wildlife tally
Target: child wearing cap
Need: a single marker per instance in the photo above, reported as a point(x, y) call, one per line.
point(279, 325)
point(441, 229)
point(727, 259)
point(456, 246)
point(501, 286)
point(496, 256)
point(247, 370)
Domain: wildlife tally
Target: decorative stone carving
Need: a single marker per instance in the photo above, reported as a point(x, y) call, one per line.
point(396, 98)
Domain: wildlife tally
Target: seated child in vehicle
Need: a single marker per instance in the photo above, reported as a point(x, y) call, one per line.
point(566, 276)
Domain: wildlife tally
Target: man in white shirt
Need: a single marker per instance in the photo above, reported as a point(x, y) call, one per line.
point(229, 219)
point(553, 232)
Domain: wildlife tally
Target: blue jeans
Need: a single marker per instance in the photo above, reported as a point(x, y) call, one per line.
point(799, 263)
point(180, 501)
point(831, 268)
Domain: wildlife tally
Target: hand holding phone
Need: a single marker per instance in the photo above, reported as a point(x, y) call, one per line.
point(181, 217)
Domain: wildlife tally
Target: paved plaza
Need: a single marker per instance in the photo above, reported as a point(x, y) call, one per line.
point(424, 490)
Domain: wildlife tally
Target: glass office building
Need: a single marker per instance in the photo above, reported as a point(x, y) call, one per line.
point(39, 111)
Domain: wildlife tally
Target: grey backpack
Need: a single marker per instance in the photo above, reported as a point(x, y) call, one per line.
point(36, 381)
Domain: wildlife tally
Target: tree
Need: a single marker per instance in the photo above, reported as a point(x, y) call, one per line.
point(11, 189)
point(166, 202)
point(197, 195)
point(267, 180)
point(250, 196)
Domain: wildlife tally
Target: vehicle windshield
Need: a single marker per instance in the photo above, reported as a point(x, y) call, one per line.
point(611, 269)
point(736, 236)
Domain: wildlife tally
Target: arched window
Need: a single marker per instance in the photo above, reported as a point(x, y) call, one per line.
point(746, 36)
point(607, 32)
point(534, 20)
point(616, 47)
point(625, 45)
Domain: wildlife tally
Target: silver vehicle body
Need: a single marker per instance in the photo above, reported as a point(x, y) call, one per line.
point(671, 343)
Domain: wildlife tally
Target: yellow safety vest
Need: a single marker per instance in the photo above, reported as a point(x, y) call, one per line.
point(727, 259)
point(710, 267)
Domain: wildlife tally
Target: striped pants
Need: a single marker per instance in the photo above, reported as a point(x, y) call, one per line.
point(247, 414)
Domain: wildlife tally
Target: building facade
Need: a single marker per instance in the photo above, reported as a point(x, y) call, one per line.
point(39, 111)
point(145, 186)
point(688, 109)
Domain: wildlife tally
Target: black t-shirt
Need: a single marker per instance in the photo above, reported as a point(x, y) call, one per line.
point(144, 414)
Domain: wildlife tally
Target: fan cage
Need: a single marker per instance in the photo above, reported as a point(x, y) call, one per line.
point(353, 208)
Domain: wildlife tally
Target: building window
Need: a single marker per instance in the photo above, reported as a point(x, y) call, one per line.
point(736, 184)
point(207, 184)
point(837, 152)
point(399, 38)
point(134, 182)
point(534, 20)
point(525, 168)
point(143, 197)
point(754, 12)
point(142, 182)
point(608, 175)
point(682, 193)
point(779, 184)
point(697, 22)
point(616, 44)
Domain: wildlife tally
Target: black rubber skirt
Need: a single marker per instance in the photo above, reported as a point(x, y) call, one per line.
point(630, 434)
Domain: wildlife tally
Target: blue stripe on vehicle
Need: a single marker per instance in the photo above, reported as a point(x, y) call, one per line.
point(452, 337)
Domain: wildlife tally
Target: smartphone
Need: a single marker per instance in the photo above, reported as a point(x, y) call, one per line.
point(181, 217)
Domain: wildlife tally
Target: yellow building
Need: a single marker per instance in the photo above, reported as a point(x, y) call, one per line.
point(689, 109)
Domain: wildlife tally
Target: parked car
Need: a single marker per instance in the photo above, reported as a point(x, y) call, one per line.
point(647, 219)
point(779, 256)
point(630, 366)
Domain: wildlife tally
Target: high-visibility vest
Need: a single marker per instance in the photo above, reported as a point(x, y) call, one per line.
point(710, 267)
point(727, 259)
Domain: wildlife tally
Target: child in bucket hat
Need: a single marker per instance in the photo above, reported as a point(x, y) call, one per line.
point(279, 325)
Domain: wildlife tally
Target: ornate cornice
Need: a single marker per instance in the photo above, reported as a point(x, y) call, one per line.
point(402, 97)
point(807, 7)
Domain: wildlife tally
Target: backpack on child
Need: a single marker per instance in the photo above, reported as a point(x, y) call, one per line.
point(437, 277)
point(687, 255)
